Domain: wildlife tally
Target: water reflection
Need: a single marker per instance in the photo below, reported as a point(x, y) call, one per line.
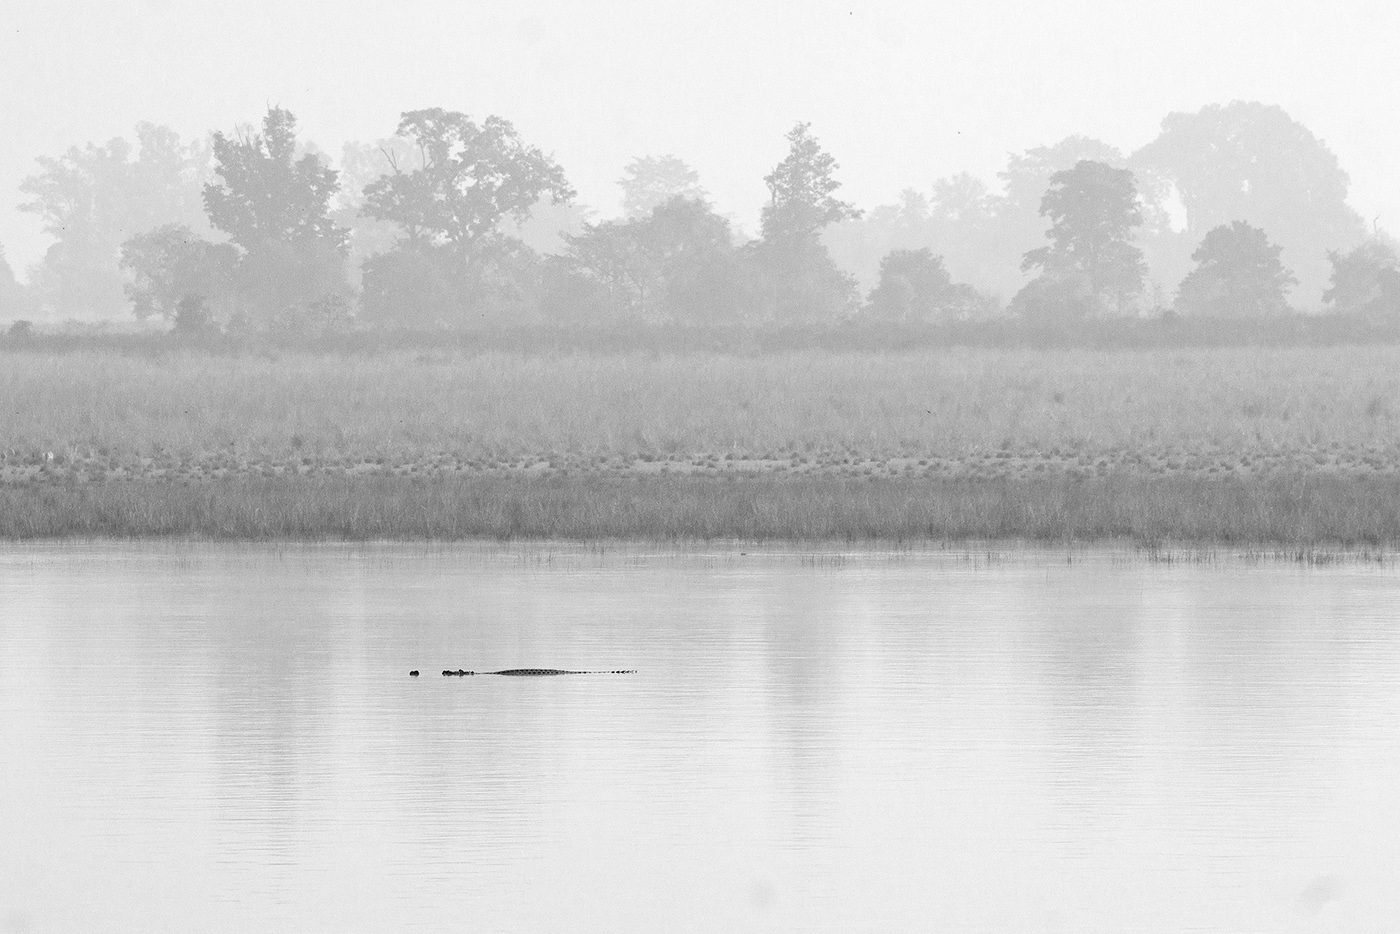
point(1089, 694)
point(226, 739)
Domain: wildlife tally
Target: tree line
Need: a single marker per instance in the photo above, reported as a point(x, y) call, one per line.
point(255, 233)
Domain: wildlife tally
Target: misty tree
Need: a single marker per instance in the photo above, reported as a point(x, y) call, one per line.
point(541, 228)
point(980, 234)
point(1018, 219)
point(177, 275)
point(649, 181)
point(801, 282)
point(275, 207)
point(1028, 174)
point(1091, 264)
point(360, 165)
point(13, 301)
point(548, 224)
point(955, 218)
point(449, 199)
point(412, 290)
point(91, 199)
point(963, 221)
point(678, 264)
point(1366, 280)
point(705, 278)
point(1238, 274)
point(915, 287)
point(911, 284)
point(266, 194)
point(613, 255)
point(802, 191)
point(468, 177)
point(1252, 162)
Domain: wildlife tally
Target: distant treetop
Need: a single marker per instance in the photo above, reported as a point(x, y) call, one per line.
point(267, 195)
point(802, 190)
point(1251, 162)
point(649, 181)
point(1093, 210)
point(467, 179)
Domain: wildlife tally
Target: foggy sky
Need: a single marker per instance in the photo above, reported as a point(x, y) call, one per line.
point(901, 92)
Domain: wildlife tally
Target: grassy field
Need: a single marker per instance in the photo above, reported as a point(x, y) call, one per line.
point(965, 443)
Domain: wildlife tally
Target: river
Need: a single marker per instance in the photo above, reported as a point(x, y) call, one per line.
point(215, 738)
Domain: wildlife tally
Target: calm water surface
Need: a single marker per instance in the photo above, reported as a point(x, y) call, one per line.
point(226, 739)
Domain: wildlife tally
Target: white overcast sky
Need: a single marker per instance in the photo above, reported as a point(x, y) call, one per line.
point(900, 92)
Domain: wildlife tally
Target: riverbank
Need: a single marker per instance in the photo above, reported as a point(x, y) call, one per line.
point(1272, 446)
point(1297, 511)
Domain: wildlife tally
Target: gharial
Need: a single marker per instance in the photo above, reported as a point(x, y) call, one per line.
point(526, 672)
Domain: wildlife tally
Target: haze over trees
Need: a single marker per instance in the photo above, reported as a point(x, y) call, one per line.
point(181, 277)
point(650, 181)
point(457, 224)
point(801, 282)
point(981, 234)
point(1251, 162)
point(360, 165)
point(915, 287)
point(13, 302)
point(675, 265)
point(275, 208)
point(1242, 161)
point(453, 263)
point(282, 268)
point(466, 179)
point(91, 199)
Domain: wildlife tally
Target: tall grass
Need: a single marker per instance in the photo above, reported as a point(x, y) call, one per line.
point(1151, 511)
point(1293, 446)
point(502, 407)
